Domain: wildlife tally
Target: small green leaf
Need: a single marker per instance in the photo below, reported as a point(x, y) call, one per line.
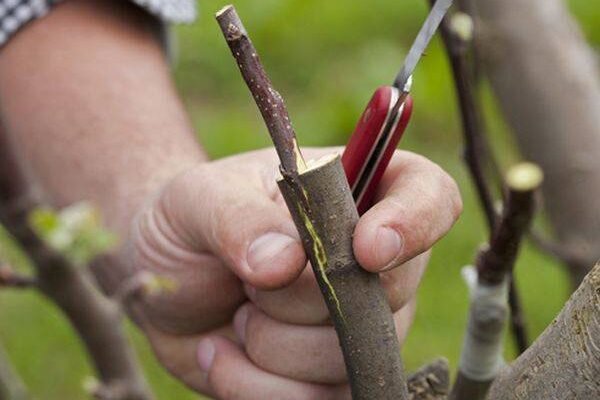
point(75, 231)
point(43, 220)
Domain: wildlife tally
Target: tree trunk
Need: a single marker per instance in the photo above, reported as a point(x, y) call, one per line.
point(547, 84)
point(564, 362)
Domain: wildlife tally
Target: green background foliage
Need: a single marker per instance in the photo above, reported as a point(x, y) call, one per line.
point(326, 58)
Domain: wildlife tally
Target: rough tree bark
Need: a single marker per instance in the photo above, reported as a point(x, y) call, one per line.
point(564, 362)
point(547, 83)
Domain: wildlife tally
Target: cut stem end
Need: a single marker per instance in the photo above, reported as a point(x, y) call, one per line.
point(524, 177)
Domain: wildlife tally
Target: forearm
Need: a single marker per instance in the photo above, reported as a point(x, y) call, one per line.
point(87, 102)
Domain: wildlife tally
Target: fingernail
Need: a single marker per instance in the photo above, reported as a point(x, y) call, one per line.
point(388, 247)
point(205, 354)
point(239, 323)
point(267, 249)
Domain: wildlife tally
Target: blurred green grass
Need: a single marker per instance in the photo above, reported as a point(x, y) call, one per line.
point(325, 58)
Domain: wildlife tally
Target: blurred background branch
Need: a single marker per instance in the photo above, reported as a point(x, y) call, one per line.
point(457, 34)
point(546, 79)
point(96, 319)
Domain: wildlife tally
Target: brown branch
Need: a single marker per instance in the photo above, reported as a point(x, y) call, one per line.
point(323, 210)
point(269, 101)
point(476, 151)
point(96, 319)
point(517, 324)
point(476, 148)
point(10, 278)
point(496, 262)
point(481, 356)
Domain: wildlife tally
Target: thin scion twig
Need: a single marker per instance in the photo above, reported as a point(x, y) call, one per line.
point(269, 101)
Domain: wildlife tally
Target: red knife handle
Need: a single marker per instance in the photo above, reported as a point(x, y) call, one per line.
point(373, 142)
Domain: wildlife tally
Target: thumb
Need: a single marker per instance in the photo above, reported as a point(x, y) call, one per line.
point(231, 215)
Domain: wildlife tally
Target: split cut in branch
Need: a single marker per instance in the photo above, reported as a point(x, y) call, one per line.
point(476, 148)
point(481, 357)
point(323, 210)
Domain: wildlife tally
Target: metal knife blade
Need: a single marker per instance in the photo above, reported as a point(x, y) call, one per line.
point(420, 44)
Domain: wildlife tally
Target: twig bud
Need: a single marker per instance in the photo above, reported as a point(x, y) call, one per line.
point(462, 25)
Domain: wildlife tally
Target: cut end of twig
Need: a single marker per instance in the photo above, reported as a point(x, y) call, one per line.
point(223, 10)
point(230, 23)
point(319, 162)
point(524, 177)
point(300, 162)
point(313, 164)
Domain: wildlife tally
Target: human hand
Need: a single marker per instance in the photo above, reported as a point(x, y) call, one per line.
point(222, 227)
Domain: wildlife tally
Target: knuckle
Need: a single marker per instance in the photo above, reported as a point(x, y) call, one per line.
point(403, 319)
point(453, 195)
point(396, 294)
point(401, 284)
point(256, 332)
point(448, 193)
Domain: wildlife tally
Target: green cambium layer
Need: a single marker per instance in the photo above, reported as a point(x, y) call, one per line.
point(321, 257)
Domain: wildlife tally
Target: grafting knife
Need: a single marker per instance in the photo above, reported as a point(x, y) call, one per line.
point(384, 120)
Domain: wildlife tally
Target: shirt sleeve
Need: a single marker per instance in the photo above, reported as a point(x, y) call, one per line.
point(14, 14)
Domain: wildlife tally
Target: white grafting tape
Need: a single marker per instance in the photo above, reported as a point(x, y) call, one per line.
point(481, 357)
